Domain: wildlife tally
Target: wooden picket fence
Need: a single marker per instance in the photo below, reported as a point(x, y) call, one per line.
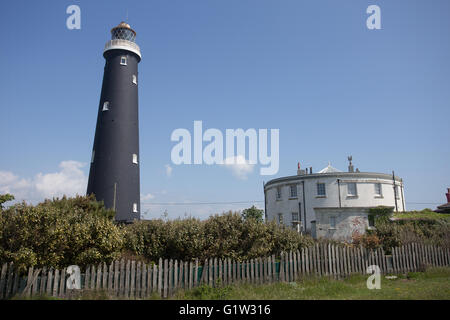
point(136, 280)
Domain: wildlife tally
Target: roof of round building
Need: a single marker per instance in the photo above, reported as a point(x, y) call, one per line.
point(330, 172)
point(329, 169)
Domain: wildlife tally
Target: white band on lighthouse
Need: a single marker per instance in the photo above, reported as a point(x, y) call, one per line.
point(123, 45)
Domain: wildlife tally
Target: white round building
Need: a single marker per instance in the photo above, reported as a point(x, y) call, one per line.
point(334, 204)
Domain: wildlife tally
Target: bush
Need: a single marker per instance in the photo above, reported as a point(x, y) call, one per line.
point(58, 233)
point(416, 227)
point(222, 236)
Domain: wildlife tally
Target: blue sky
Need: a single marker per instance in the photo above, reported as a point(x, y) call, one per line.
point(311, 69)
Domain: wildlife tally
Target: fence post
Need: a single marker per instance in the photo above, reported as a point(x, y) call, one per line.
point(165, 284)
point(160, 278)
point(155, 279)
point(196, 273)
point(143, 281)
point(169, 288)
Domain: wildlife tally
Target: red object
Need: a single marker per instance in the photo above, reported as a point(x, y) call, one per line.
point(298, 165)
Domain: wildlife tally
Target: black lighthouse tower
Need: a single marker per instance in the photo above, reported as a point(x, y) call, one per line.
point(114, 171)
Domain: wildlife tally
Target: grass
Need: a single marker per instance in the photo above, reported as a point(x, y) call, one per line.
point(434, 284)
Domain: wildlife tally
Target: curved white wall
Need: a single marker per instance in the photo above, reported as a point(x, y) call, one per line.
point(366, 196)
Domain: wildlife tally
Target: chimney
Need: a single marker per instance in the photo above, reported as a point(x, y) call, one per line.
point(310, 170)
point(448, 195)
point(299, 171)
point(350, 165)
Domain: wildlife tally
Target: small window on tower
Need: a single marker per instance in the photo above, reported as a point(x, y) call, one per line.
point(105, 106)
point(135, 207)
point(123, 61)
point(134, 79)
point(135, 158)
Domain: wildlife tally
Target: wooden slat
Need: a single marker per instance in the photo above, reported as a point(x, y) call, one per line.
point(10, 279)
point(105, 277)
point(203, 276)
point(143, 281)
point(43, 281)
point(181, 275)
point(186, 275)
point(154, 281)
point(127, 278)
point(230, 276)
point(233, 271)
point(62, 283)
point(122, 278)
point(132, 279)
point(138, 280)
point(110, 277)
point(49, 282)
point(165, 282)
point(33, 289)
point(3, 280)
point(176, 273)
point(116, 284)
point(196, 273)
point(15, 288)
point(257, 265)
point(252, 272)
point(291, 273)
point(191, 274)
point(93, 274)
point(214, 272)
point(395, 261)
point(160, 276)
point(98, 282)
point(170, 284)
point(56, 283)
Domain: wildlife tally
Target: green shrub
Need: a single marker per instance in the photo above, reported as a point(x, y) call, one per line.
point(222, 236)
point(54, 235)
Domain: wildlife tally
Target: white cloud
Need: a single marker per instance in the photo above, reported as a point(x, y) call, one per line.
point(239, 167)
point(169, 170)
point(69, 180)
point(147, 197)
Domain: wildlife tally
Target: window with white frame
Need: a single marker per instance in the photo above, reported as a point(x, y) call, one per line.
point(280, 218)
point(293, 191)
point(332, 222)
point(295, 217)
point(135, 158)
point(123, 60)
point(134, 79)
point(105, 106)
point(321, 189)
point(351, 189)
point(378, 190)
point(135, 208)
point(278, 193)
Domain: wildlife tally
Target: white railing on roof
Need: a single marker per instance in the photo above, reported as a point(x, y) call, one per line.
point(124, 45)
